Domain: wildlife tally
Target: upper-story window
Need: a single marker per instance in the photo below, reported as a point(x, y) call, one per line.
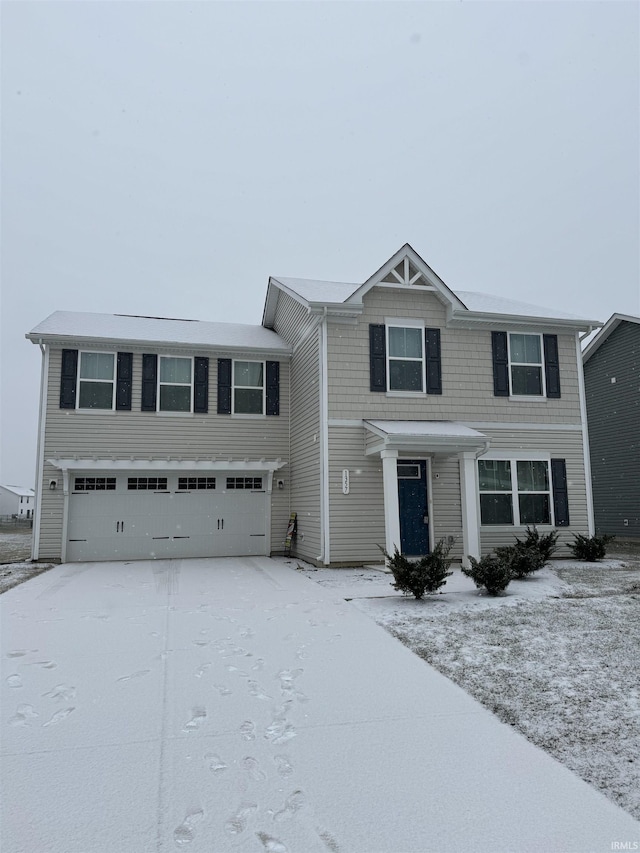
point(175, 386)
point(96, 380)
point(248, 387)
point(525, 365)
point(405, 357)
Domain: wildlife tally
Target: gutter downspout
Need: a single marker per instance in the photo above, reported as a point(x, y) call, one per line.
point(325, 538)
point(44, 386)
point(585, 440)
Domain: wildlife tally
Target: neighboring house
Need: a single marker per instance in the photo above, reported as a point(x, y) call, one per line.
point(393, 412)
point(17, 500)
point(612, 383)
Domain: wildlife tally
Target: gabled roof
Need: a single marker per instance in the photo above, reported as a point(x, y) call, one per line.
point(21, 491)
point(406, 269)
point(610, 326)
point(65, 326)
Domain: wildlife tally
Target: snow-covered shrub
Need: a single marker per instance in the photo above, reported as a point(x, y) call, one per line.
point(492, 573)
point(528, 555)
point(590, 548)
point(424, 575)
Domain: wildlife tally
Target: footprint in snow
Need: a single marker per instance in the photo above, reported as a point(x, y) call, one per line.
point(257, 691)
point(292, 804)
point(57, 717)
point(137, 674)
point(216, 764)
point(237, 823)
point(259, 664)
point(61, 693)
point(14, 680)
point(200, 671)
point(271, 844)
point(283, 765)
point(185, 833)
point(248, 730)
point(198, 718)
point(23, 713)
point(252, 766)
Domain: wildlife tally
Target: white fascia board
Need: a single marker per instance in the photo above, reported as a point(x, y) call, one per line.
point(610, 326)
point(94, 464)
point(78, 342)
point(471, 319)
point(336, 310)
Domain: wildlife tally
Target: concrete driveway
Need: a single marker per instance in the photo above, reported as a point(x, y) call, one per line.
point(234, 705)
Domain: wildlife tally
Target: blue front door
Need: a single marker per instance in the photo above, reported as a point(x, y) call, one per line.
point(412, 497)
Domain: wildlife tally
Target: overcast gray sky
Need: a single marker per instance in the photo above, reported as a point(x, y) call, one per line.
point(165, 158)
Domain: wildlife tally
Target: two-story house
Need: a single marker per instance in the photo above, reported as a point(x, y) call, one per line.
point(394, 412)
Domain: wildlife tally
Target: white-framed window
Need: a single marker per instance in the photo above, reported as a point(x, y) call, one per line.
point(96, 380)
point(248, 388)
point(526, 373)
point(405, 356)
point(514, 491)
point(175, 384)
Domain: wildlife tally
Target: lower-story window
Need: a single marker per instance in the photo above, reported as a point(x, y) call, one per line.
point(514, 492)
point(196, 483)
point(94, 484)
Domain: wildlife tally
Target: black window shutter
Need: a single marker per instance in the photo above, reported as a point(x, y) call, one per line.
point(377, 357)
point(500, 364)
point(149, 382)
point(551, 365)
point(201, 385)
point(123, 381)
point(273, 387)
point(224, 386)
point(560, 493)
point(434, 361)
point(68, 378)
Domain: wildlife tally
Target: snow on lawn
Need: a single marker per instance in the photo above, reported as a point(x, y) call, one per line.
point(557, 657)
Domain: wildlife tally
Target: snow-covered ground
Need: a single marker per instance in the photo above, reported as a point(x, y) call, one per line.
point(557, 657)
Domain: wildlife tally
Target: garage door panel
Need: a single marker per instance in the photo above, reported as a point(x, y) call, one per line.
point(145, 524)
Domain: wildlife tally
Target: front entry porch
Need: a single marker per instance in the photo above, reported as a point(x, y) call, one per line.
point(406, 449)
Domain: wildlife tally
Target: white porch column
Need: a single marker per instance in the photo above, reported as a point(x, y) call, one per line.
point(469, 500)
point(391, 503)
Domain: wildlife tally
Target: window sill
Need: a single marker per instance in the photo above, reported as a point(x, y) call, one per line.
point(247, 417)
point(528, 398)
point(412, 394)
point(95, 411)
point(175, 414)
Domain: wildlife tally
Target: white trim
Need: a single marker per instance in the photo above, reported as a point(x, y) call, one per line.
point(585, 441)
point(403, 323)
point(65, 515)
point(42, 414)
point(391, 500)
point(511, 457)
point(518, 455)
point(325, 533)
point(470, 505)
point(610, 326)
point(136, 464)
point(520, 426)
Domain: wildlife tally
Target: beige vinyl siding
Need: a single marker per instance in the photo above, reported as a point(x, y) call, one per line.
point(446, 513)
point(357, 519)
point(122, 435)
point(559, 444)
point(291, 318)
point(304, 471)
point(467, 370)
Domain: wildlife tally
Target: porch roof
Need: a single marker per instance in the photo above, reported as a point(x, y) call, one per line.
point(445, 437)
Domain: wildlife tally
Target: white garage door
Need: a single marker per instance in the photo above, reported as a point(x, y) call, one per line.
point(142, 517)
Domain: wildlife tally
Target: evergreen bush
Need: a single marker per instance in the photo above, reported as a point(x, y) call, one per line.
point(530, 554)
point(424, 575)
point(492, 573)
point(590, 548)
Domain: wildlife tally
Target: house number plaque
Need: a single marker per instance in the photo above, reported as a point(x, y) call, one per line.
point(345, 481)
